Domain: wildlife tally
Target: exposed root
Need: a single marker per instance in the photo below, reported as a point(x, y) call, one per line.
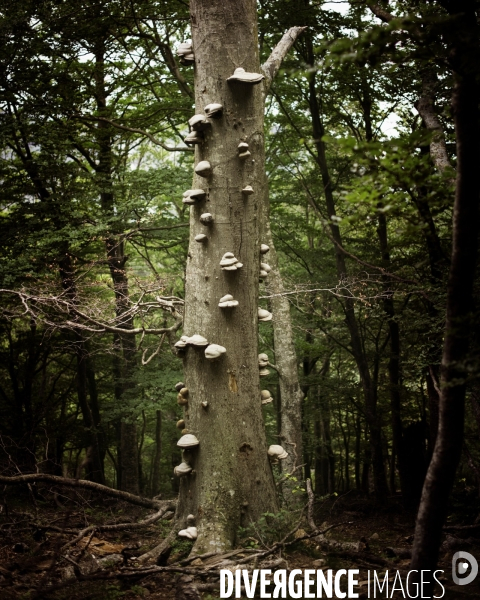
point(159, 550)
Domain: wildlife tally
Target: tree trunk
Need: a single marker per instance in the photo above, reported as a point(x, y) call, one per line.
point(369, 389)
point(232, 471)
point(128, 476)
point(291, 395)
point(155, 487)
point(94, 466)
point(463, 41)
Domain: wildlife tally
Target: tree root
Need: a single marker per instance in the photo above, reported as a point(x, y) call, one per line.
point(160, 549)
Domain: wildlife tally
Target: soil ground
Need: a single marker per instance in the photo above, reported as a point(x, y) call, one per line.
point(33, 565)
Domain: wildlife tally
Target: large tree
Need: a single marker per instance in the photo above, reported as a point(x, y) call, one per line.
point(233, 482)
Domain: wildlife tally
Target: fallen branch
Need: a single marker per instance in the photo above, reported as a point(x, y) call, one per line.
point(120, 526)
point(82, 483)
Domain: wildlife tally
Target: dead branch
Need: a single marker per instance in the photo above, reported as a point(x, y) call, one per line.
point(272, 65)
point(84, 484)
point(120, 526)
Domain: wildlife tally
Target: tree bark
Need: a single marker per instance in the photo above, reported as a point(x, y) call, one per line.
point(291, 395)
point(232, 471)
point(463, 40)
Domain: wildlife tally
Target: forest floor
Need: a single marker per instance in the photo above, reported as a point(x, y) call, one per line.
point(35, 565)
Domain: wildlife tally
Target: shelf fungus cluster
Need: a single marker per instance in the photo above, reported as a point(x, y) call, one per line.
point(182, 397)
point(263, 364)
point(193, 196)
point(227, 301)
point(276, 453)
point(190, 532)
point(264, 315)
point(185, 53)
point(199, 123)
point(195, 340)
point(264, 270)
point(187, 442)
point(243, 76)
point(243, 151)
point(212, 352)
point(266, 396)
point(229, 262)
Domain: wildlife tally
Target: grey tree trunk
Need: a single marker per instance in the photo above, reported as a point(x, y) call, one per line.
point(291, 395)
point(233, 477)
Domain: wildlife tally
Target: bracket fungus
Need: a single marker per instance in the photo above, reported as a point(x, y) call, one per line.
point(194, 137)
point(265, 267)
point(243, 151)
point(179, 386)
point(214, 110)
point(201, 238)
point(185, 53)
point(264, 372)
point(182, 343)
point(206, 218)
point(245, 77)
point(247, 190)
point(264, 315)
point(182, 400)
point(266, 397)
point(182, 469)
point(264, 249)
point(189, 533)
point(204, 168)
point(227, 301)
point(263, 360)
point(193, 196)
point(181, 424)
point(184, 391)
point(214, 351)
point(229, 262)
point(276, 453)
point(197, 340)
point(188, 441)
point(199, 123)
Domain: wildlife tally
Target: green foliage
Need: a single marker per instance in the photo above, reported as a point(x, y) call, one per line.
point(270, 528)
point(83, 101)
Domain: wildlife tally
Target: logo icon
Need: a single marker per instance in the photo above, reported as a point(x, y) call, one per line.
point(460, 566)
